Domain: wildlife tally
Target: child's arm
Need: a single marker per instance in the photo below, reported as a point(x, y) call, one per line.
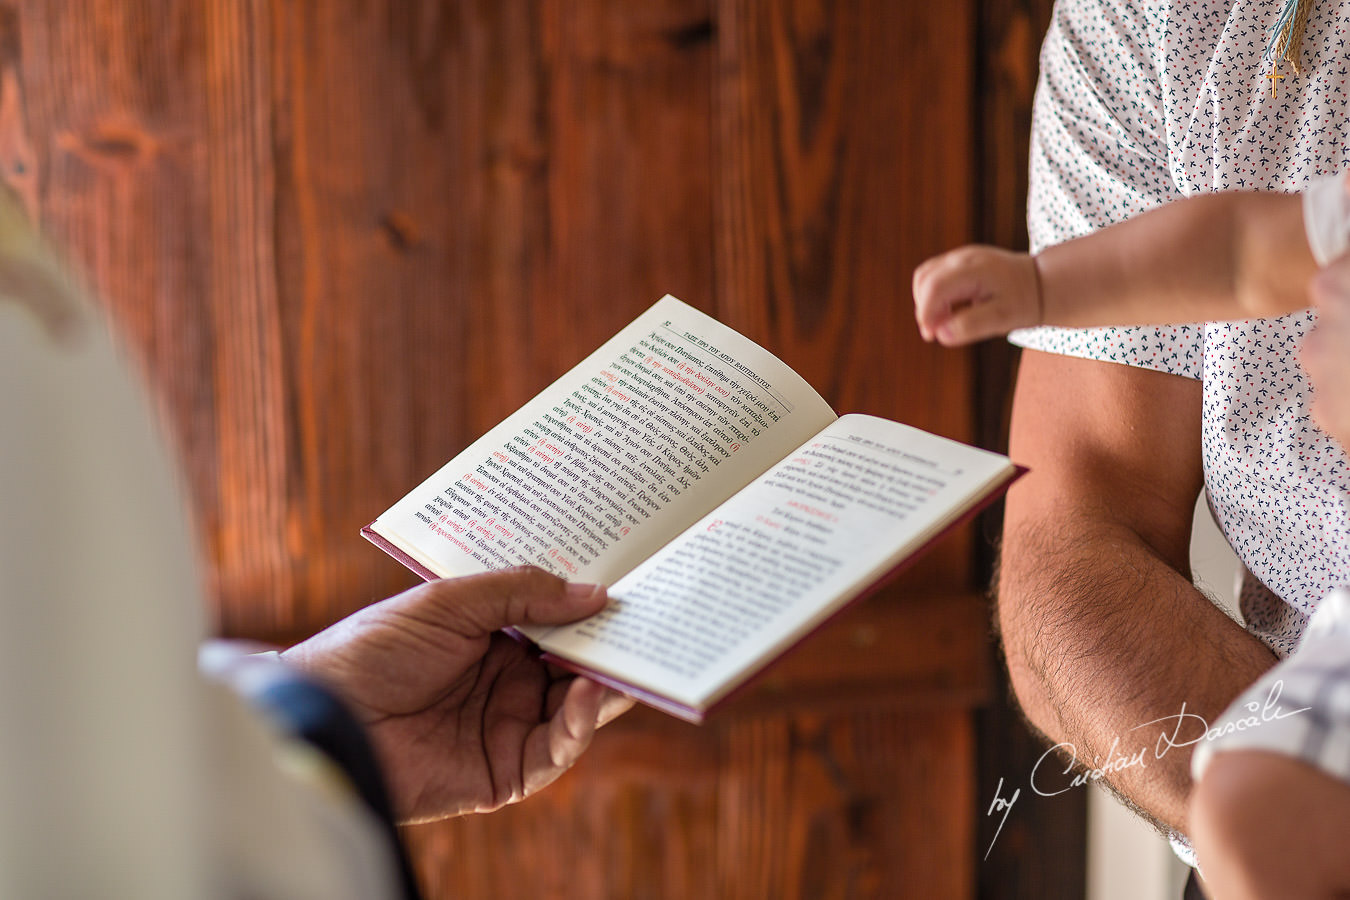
point(1214, 256)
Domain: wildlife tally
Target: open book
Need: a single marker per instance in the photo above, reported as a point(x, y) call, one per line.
point(726, 506)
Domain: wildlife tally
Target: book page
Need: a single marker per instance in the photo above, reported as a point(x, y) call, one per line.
point(774, 561)
point(662, 423)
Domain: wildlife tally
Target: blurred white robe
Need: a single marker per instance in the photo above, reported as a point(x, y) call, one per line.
point(123, 772)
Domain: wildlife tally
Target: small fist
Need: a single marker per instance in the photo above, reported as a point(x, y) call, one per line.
point(976, 292)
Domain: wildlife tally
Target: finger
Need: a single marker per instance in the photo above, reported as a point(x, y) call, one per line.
point(554, 747)
point(557, 691)
point(920, 286)
point(482, 604)
point(614, 705)
point(1330, 287)
point(966, 277)
point(976, 322)
point(940, 284)
point(1319, 357)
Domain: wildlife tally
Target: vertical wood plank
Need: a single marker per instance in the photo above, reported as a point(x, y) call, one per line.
point(1007, 63)
point(630, 165)
point(587, 172)
point(250, 541)
point(364, 251)
point(875, 804)
point(844, 147)
point(633, 820)
point(802, 806)
point(1042, 849)
point(844, 141)
point(455, 181)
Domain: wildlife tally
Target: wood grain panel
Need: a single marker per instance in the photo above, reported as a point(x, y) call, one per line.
point(844, 148)
point(926, 649)
point(802, 805)
point(633, 821)
point(1042, 850)
point(458, 179)
point(630, 165)
point(847, 773)
point(835, 784)
point(346, 238)
point(370, 260)
point(370, 232)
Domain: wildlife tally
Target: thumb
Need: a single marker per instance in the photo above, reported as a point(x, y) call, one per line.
point(477, 605)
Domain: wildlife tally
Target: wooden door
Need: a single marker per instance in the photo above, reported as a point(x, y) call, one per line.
point(345, 238)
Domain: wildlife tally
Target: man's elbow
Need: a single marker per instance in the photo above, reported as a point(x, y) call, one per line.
point(1022, 633)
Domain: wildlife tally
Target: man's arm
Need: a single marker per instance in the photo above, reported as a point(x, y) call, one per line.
point(1101, 625)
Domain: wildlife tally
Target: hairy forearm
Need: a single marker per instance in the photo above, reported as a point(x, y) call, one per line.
point(1102, 628)
point(1103, 635)
point(1210, 257)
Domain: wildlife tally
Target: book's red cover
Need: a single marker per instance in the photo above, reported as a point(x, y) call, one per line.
point(693, 714)
point(393, 550)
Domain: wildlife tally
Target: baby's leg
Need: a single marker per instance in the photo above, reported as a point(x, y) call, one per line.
point(1268, 825)
point(1270, 812)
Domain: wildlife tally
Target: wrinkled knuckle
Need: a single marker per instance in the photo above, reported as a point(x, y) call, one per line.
point(533, 579)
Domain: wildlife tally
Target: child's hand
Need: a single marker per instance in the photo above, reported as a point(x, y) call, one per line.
point(1326, 350)
point(976, 292)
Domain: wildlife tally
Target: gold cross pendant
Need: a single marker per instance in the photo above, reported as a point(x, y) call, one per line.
point(1275, 77)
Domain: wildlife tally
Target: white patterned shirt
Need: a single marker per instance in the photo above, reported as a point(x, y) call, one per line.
point(1139, 105)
